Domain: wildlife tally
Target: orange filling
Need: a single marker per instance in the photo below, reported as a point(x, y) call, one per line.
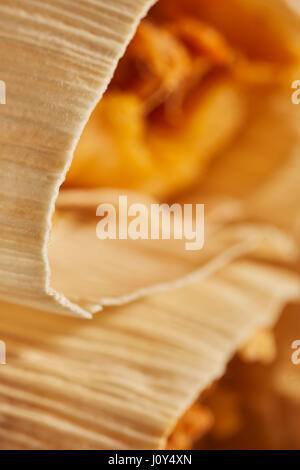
point(177, 96)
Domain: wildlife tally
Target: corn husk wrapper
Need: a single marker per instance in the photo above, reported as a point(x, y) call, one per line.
point(127, 376)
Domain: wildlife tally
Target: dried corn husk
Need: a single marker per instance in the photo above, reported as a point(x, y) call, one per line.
point(122, 380)
point(57, 63)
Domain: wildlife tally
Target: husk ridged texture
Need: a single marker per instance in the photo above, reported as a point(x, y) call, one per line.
point(123, 379)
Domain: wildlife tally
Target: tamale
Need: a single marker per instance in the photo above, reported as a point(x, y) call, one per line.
point(124, 379)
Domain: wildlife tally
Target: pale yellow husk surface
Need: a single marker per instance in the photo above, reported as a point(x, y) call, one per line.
point(122, 380)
